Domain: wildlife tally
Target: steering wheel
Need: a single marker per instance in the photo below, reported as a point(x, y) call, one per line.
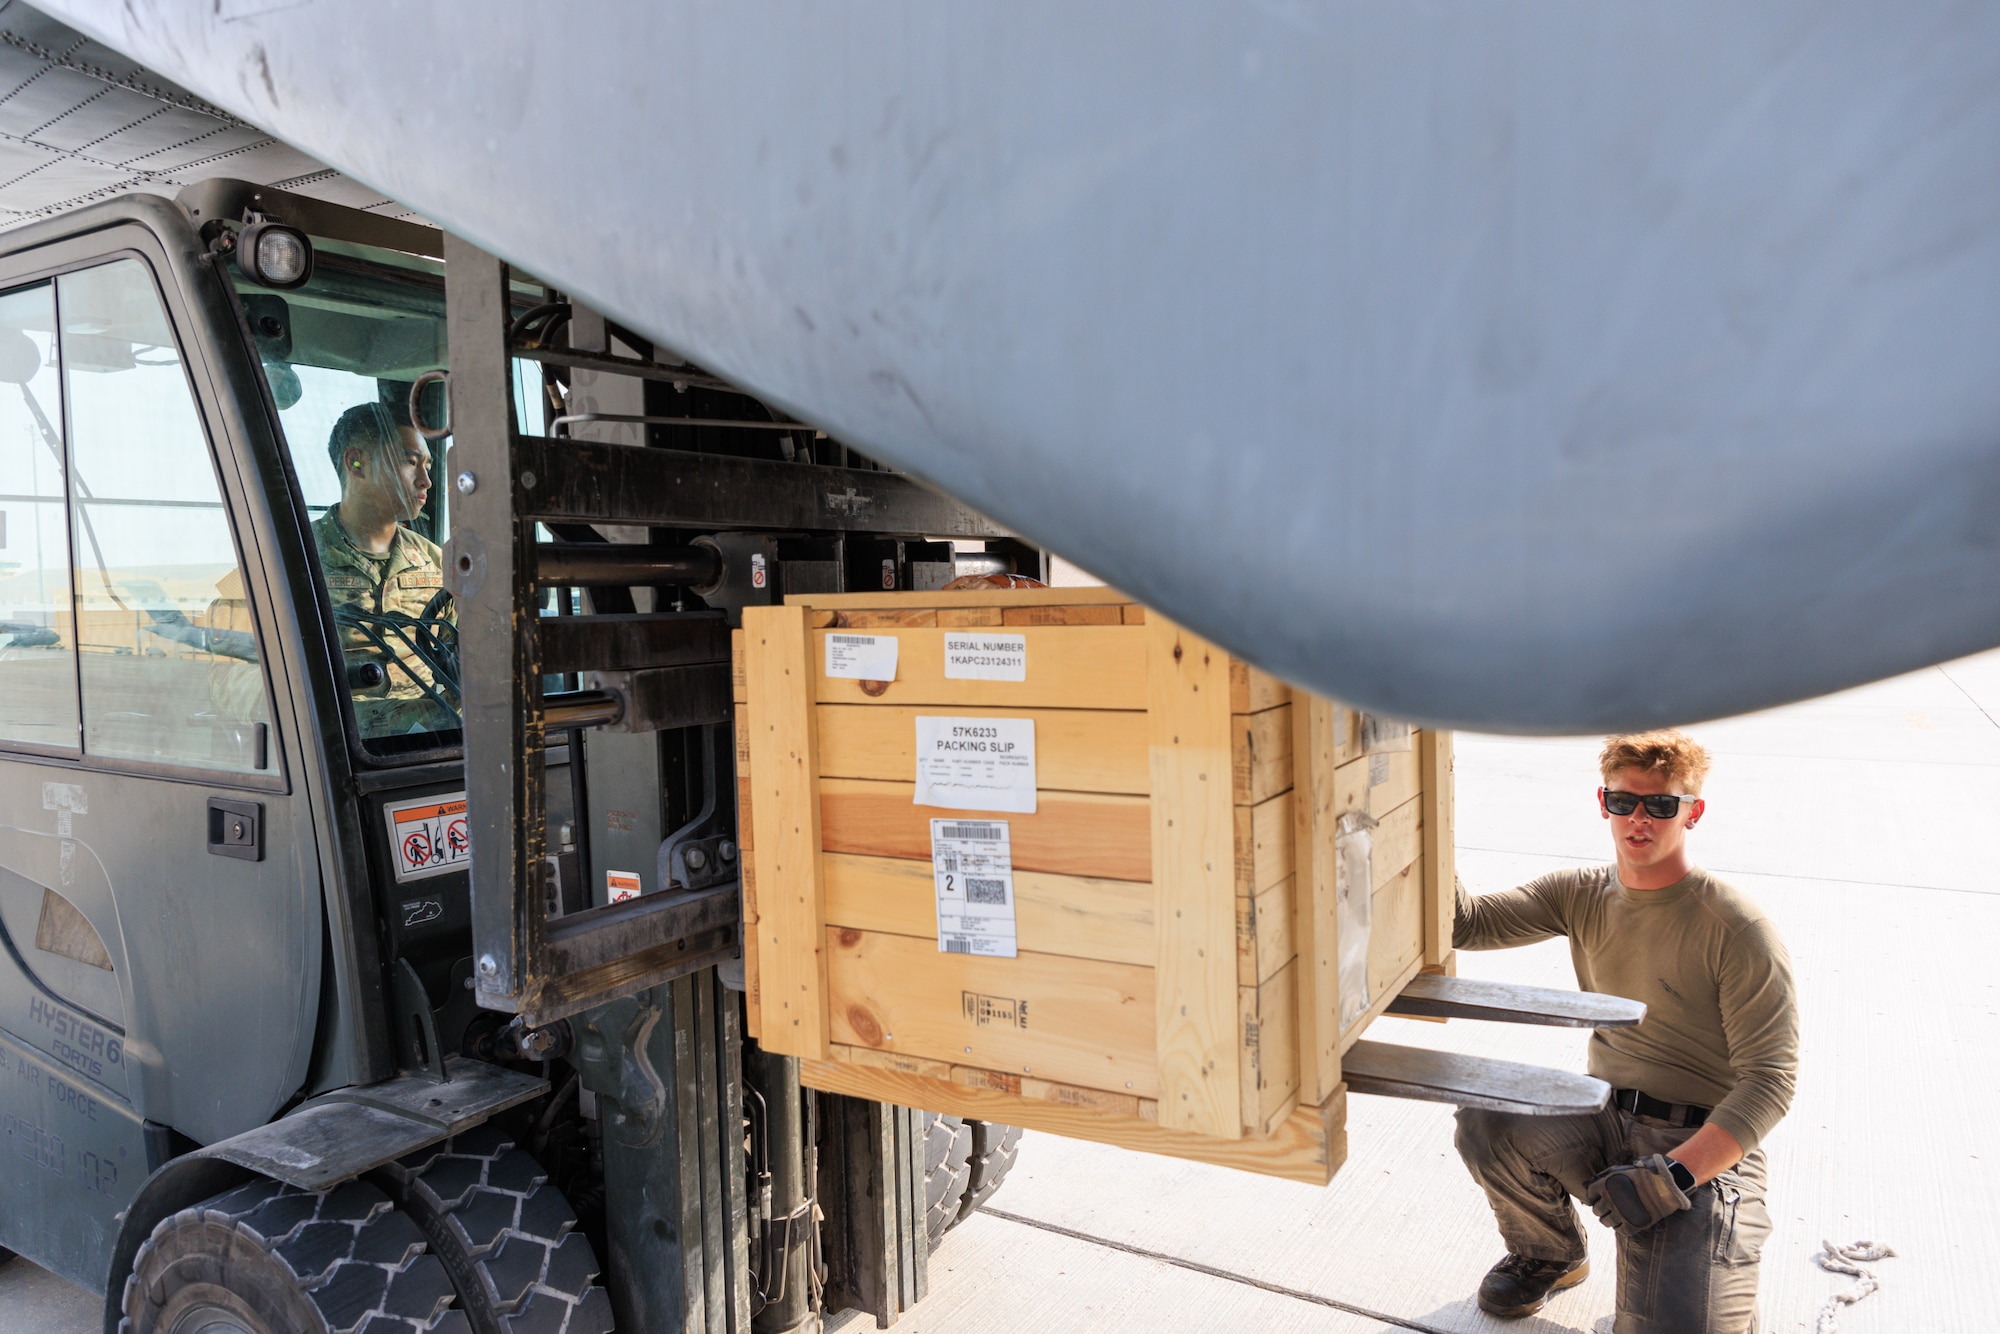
point(397, 638)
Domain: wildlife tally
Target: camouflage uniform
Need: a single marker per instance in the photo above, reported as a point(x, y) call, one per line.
point(403, 579)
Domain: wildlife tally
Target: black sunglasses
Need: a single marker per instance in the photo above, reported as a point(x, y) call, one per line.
point(1659, 805)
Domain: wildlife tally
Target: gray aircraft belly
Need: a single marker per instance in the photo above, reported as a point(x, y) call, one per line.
point(1538, 366)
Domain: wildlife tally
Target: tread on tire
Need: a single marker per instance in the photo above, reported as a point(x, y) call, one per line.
point(506, 1236)
point(994, 1149)
point(947, 1171)
point(281, 1260)
point(964, 1163)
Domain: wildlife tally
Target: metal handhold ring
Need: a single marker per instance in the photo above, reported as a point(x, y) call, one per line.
point(416, 412)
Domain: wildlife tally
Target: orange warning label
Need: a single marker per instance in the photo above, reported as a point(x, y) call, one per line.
point(429, 837)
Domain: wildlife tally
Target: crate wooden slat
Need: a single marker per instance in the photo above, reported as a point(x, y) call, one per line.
point(1177, 985)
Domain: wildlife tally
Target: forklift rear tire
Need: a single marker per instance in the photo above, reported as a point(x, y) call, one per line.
point(506, 1236)
point(267, 1258)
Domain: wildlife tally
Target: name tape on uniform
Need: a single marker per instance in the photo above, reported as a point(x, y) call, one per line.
point(977, 657)
point(973, 862)
point(976, 764)
point(861, 657)
point(428, 837)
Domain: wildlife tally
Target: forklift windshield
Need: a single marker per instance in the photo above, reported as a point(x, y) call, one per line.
point(341, 355)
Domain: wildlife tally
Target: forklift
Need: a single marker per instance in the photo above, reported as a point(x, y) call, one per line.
point(371, 930)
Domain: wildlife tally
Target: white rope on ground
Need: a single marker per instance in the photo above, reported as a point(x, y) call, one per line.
point(1848, 1260)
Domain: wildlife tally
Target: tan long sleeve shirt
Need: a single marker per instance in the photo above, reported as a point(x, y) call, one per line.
point(1721, 1027)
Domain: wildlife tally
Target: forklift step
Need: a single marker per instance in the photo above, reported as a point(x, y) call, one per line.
point(1430, 996)
point(1390, 1071)
point(355, 1130)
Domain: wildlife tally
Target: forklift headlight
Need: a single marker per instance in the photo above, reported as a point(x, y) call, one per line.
point(271, 254)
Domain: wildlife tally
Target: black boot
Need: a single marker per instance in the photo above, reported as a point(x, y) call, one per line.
point(1519, 1286)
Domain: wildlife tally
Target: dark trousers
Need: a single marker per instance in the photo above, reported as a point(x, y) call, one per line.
point(1695, 1273)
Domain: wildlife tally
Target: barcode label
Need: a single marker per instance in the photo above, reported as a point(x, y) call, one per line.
point(984, 832)
point(861, 657)
point(972, 862)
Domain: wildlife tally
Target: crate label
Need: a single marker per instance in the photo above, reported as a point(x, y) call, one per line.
point(621, 885)
point(861, 657)
point(994, 1011)
point(976, 657)
point(973, 863)
point(428, 837)
point(976, 764)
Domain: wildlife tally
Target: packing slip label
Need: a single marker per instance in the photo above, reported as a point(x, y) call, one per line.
point(428, 837)
point(984, 657)
point(861, 657)
point(976, 764)
point(973, 862)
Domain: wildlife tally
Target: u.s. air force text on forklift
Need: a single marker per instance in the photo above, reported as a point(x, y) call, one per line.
point(375, 962)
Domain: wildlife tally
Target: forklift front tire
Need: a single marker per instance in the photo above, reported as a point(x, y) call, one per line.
point(964, 1163)
point(994, 1148)
point(506, 1234)
point(267, 1258)
point(947, 1170)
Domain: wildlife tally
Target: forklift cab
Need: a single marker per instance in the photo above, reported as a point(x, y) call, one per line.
point(239, 961)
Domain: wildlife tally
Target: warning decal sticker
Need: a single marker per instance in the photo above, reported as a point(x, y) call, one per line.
point(429, 836)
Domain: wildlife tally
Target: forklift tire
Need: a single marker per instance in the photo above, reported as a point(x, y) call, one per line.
point(267, 1258)
point(506, 1236)
point(947, 1171)
point(994, 1148)
point(964, 1163)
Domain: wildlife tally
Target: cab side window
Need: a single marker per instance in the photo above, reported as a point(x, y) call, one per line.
point(166, 652)
point(37, 624)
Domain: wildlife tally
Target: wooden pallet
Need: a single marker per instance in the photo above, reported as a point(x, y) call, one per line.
point(1177, 986)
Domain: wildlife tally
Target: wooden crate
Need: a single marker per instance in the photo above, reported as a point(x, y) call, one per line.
point(1177, 986)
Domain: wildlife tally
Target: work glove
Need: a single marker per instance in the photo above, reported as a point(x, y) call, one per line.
point(1635, 1196)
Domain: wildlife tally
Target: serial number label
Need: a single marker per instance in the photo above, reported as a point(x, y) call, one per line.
point(985, 657)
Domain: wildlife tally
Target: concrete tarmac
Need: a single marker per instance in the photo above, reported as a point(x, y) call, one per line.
point(1858, 821)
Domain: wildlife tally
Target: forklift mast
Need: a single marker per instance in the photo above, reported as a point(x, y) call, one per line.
point(697, 1235)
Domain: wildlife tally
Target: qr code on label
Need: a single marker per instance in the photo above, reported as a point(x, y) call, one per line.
point(980, 890)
